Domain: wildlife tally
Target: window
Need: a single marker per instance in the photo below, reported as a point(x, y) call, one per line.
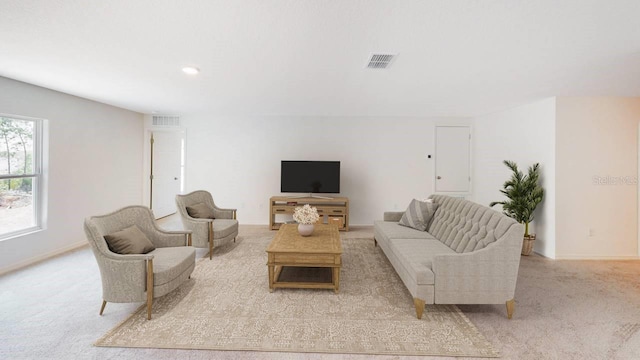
point(20, 175)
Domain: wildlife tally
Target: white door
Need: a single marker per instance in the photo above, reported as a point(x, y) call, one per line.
point(453, 172)
point(166, 171)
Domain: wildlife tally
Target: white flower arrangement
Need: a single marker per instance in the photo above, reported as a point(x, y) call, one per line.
point(306, 215)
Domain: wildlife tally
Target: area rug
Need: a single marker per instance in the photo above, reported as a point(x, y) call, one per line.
point(226, 305)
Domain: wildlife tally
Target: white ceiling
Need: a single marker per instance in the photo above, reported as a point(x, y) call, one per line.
point(308, 57)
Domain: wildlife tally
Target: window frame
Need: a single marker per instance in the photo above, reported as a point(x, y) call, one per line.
point(37, 189)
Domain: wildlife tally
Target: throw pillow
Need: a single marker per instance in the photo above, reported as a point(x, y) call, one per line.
point(130, 240)
point(200, 211)
point(418, 214)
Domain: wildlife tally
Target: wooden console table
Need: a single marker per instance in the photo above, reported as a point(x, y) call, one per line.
point(334, 210)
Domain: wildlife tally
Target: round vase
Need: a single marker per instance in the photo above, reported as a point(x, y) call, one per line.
point(305, 229)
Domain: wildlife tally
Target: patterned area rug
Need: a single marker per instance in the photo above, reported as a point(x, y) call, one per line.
point(227, 306)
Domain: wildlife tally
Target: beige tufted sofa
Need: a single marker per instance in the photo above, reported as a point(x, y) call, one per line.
point(469, 254)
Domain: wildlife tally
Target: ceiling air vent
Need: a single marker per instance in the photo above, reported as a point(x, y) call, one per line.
point(380, 61)
point(165, 120)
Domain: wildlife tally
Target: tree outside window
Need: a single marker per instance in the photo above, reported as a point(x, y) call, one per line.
point(19, 174)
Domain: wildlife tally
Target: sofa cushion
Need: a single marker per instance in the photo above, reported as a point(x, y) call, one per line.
point(130, 240)
point(416, 257)
point(200, 211)
point(393, 230)
point(418, 214)
point(170, 262)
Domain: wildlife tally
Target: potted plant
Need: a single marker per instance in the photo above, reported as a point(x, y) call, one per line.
point(524, 193)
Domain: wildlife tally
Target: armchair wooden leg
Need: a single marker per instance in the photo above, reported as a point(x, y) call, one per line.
point(419, 304)
point(104, 303)
point(210, 240)
point(511, 304)
point(149, 288)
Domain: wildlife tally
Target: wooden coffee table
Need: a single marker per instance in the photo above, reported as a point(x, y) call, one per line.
point(322, 249)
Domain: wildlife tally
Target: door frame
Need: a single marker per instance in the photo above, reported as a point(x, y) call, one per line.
point(468, 125)
point(146, 159)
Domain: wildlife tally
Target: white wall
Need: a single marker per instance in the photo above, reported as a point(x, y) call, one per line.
point(95, 166)
point(526, 135)
point(383, 160)
point(597, 137)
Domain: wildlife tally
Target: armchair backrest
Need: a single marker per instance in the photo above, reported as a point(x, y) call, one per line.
point(195, 197)
point(96, 227)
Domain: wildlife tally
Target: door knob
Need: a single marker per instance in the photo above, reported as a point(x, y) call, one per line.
point(438, 177)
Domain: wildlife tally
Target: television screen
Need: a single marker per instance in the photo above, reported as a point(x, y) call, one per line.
point(310, 177)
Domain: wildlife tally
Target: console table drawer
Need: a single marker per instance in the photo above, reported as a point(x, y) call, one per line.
point(283, 209)
point(335, 210)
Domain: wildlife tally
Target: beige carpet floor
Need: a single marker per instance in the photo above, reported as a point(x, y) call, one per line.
point(565, 309)
point(227, 306)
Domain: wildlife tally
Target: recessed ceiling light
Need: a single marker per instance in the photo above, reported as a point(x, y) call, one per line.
point(190, 70)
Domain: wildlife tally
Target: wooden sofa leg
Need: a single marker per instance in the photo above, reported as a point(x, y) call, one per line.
point(511, 304)
point(419, 304)
point(104, 303)
point(375, 242)
point(149, 288)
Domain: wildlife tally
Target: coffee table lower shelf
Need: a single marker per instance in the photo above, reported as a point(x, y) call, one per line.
point(275, 274)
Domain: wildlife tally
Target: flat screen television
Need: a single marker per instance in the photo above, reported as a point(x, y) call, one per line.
point(321, 177)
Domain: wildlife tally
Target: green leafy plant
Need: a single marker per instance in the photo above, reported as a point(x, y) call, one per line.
point(523, 193)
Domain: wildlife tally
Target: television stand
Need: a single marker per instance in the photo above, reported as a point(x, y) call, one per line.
point(331, 210)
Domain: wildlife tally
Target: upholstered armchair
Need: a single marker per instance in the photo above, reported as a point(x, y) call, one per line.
point(139, 277)
point(211, 225)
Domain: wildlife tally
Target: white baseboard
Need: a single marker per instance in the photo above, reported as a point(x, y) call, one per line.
point(39, 258)
point(596, 257)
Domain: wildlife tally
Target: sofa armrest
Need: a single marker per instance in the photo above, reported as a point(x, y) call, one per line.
point(193, 220)
point(126, 258)
point(199, 229)
point(224, 213)
point(485, 276)
point(393, 215)
point(123, 277)
point(164, 238)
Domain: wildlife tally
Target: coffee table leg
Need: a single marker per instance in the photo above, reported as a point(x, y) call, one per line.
point(271, 279)
point(336, 278)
